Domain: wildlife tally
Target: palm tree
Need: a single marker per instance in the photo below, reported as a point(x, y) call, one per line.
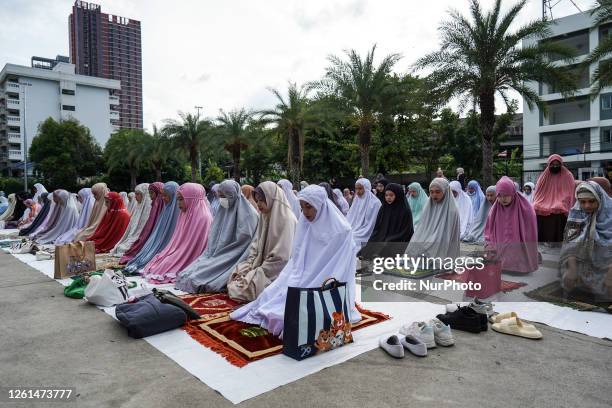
point(125, 150)
point(157, 150)
point(479, 57)
point(188, 134)
point(602, 76)
point(291, 116)
point(234, 126)
point(362, 85)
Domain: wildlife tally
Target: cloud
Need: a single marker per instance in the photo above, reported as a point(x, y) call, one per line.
point(309, 20)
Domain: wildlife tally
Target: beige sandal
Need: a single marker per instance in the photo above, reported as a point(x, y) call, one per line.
point(516, 327)
point(497, 318)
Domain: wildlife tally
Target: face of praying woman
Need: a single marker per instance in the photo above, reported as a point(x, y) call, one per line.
point(166, 197)
point(346, 192)
point(491, 196)
point(152, 194)
point(181, 202)
point(504, 199)
point(97, 194)
point(389, 196)
point(455, 194)
point(107, 201)
point(310, 213)
point(55, 198)
point(555, 167)
point(139, 197)
point(436, 194)
point(380, 187)
point(413, 193)
point(588, 205)
point(527, 190)
point(471, 190)
point(359, 190)
point(262, 206)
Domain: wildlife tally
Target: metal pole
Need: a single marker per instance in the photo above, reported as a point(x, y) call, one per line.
point(25, 142)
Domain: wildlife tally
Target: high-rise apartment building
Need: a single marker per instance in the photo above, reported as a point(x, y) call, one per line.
point(108, 46)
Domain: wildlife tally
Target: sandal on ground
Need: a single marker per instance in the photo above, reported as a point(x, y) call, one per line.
point(516, 327)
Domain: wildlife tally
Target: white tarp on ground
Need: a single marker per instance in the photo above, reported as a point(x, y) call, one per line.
point(236, 384)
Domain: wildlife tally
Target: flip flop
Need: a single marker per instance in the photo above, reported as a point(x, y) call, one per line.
point(515, 327)
point(497, 318)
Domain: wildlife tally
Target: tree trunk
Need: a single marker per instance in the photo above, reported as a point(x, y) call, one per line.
point(194, 164)
point(487, 123)
point(158, 175)
point(365, 136)
point(294, 157)
point(236, 159)
point(133, 175)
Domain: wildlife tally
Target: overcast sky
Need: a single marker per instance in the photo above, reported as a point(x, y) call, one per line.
point(226, 53)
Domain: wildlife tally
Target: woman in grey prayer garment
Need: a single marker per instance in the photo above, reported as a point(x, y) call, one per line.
point(231, 234)
point(437, 234)
point(476, 231)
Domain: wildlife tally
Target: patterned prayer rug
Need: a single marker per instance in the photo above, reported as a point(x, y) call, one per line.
point(554, 293)
point(506, 286)
point(238, 342)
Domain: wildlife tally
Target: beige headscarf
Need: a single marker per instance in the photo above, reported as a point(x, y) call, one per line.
point(8, 213)
point(270, 249)
point(98, 210)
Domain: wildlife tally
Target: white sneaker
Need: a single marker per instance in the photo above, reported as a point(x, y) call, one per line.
point(421, 331)
point(392, 345)
point(414, 345)
point(443, 335)
point(43, 256)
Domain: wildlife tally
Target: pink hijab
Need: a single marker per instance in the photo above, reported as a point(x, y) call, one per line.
point(512, 230)
point(554, 193)
point(188, 240)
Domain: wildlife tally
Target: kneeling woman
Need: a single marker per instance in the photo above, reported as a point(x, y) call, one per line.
point(586, 255)
point(113, 225)
point(189, 238)
point(323, 248)
point(437, 234)
point(393, 228)
point(512, 229)
point(271, 248)
point(162, 232)
point(230, 236)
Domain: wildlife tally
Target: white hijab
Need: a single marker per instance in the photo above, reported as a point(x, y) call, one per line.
point(39, 190)
point(138, 219)
point(344, 205)
point(293, 201)
point(529, 197)
point(362, 214)
point(322, 249)
point(464, 205)
point(437, 233)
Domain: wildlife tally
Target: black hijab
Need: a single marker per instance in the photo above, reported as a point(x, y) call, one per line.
point(330, 194)
point(42, 214)
point(20, 206)
point(381, 195)
point(394, 221)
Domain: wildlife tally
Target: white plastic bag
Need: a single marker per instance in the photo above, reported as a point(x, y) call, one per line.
point(107, 290)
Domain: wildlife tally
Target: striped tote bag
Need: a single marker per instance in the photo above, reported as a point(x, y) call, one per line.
point(316, 320)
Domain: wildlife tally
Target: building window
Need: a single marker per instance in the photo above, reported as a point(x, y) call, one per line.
point(67, 92)
point(606, 101)
point(68, 108)
point(606, 138)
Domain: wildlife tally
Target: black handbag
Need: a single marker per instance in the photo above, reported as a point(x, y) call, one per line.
point(165, 296)
point(148, 316)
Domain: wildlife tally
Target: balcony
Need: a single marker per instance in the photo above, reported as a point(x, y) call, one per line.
point(15, 155)
point(13, 120)
point(11, 87)
point(114, 115)
point(14, 137)
point(567, 111)
point(12, 103)
point(114, 100)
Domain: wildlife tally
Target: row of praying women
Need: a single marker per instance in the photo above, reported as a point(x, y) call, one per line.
point(261, 240)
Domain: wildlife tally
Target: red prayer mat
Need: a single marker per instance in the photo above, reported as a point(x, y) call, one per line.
point(241, 343)
point(506, 286)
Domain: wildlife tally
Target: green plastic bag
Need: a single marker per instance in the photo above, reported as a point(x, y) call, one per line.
point(76, 289)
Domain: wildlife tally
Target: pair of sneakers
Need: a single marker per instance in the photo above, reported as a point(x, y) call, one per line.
point(466, 318)
point(432, 333)
point(395, 344)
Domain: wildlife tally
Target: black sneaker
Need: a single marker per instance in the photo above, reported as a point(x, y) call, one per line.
point(465, 319)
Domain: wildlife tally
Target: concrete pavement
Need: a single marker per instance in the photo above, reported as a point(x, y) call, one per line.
point(47, 340)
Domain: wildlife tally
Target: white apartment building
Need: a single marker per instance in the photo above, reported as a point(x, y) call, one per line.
point(28, 96)
point(579, 128)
